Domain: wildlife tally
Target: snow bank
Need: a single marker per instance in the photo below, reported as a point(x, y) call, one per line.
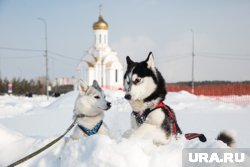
point(16, 105)
point(21, 118)
point(100, 150)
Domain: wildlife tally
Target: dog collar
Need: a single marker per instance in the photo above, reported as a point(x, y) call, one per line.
point(141, 117)
point(93, 131)
point(84, 115)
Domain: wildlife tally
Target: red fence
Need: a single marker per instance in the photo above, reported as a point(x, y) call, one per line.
point(213, 90)
point(229, 93)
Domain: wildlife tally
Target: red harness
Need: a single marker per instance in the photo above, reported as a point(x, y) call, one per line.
point(188, 136)
point(140, 118)
point(171, 115)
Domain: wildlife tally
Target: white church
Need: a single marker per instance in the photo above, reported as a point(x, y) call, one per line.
point(101, 62)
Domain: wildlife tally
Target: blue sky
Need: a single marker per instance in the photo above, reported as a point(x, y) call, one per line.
point(221, 31)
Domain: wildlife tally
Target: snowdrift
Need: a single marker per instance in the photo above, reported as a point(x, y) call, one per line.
point(26, 131)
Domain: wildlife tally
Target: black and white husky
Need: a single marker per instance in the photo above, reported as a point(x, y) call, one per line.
point(89, 111)
point(145, 90)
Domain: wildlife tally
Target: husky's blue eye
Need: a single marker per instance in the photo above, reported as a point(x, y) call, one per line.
point(97, 97)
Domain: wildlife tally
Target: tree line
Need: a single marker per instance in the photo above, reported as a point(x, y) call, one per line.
point(22, 86)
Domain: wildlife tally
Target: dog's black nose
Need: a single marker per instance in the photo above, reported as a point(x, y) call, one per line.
point(128, 96)
point(109, 104)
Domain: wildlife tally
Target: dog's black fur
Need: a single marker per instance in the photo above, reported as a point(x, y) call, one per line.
point(142, 71)
point(226, 138)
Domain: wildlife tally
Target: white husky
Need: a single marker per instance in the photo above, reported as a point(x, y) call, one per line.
point(89, 111)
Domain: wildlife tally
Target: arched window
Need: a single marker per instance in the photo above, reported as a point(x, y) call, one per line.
point(116, 75)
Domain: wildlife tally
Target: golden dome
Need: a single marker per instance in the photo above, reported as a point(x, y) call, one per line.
point(100, 24)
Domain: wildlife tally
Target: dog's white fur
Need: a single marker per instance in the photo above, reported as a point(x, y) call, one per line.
point(150, 129)
point(143, 89)
point(90, 102)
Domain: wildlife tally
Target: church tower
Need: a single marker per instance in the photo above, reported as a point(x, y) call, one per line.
point(101, 32)
point(102, 63)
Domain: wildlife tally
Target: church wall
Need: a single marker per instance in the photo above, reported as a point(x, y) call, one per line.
point(115, 78)
point(90, 76)
point(108, 77)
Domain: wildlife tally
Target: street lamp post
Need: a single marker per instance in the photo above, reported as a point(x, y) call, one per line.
point(192, 61)
point(46, 57)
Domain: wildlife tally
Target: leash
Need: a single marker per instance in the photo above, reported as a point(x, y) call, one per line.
point(43, 148)
point(190, 136)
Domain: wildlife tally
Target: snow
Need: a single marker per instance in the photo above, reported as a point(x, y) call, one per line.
point(27, 124)
point(14, 105)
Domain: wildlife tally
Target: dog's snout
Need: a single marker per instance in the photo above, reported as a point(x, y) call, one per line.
point(109, 104)
point(128, 96)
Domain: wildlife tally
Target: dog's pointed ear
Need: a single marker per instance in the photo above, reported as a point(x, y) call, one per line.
point(83, 87)
point(96, 85)
point(150, 61)
point(129, 61)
